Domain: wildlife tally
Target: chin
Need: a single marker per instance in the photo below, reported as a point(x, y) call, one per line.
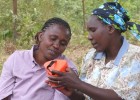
point(50, 58)
point(99, 50)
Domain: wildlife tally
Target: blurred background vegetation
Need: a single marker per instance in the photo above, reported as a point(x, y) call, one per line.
point(20, 22)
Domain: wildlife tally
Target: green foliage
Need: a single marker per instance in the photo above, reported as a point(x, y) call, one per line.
point(32, 14)
point(70, 10)
point(5, 19)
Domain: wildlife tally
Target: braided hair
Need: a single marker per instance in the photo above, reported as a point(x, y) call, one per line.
point(52, 21)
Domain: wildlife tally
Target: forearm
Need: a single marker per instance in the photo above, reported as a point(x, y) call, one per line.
point(7, 98)
point(76, 95)
point(97, 93)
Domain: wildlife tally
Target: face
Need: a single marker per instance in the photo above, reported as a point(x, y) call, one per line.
point(53, 41)
point(98, 33)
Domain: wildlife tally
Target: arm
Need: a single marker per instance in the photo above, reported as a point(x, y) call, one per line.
point(71, 80)
point(97, 93)
point(77, 95)
point(7, 79)
point(68, 91)
point(7, 98)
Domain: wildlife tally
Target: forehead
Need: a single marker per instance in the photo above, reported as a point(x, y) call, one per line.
point(93, 21)
point(58, 30)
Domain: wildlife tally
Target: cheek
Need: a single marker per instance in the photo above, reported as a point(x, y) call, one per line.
point(101, 39)
point(98, 37)
point(105, 42)
point(62, 49)
point(46, 43)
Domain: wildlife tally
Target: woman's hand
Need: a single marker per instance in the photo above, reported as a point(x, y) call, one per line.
point(68, 80)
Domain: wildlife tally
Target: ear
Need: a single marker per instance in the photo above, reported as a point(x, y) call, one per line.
point(110, 28)
point(40, 36)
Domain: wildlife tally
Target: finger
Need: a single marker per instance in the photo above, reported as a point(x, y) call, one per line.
point(56, 82)
point(55, 78)
point(58, 86)
point(68, 69)
point(71, 71)
point(52, 81)
point(47, 81)
point(57, 72)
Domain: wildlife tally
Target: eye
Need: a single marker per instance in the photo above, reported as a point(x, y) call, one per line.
point(53, 38)
point(63, 43)
point(92, 29)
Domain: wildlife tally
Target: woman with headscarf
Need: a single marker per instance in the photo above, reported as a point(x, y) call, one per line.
point(111, 69)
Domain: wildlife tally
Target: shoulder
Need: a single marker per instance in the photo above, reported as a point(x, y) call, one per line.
point(88, 60)
point(22, 52)
point(18, 54)
point(89, 54)
point(132, 55)
point(134, 51)
point(134, 48)
point(131, 58)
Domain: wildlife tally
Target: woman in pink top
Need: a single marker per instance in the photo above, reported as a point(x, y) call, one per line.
point(23, 75)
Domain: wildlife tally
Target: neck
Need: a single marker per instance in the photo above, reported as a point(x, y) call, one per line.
point(113, 49)
point(39, 58)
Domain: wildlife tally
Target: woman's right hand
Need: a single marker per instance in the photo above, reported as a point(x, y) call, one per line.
point(67, 79)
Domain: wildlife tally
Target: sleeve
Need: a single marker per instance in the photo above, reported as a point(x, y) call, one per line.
point(7, 78)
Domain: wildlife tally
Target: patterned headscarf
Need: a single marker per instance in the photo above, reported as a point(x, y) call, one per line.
point(113, 13)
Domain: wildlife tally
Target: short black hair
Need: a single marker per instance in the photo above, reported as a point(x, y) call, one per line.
point(52, 21)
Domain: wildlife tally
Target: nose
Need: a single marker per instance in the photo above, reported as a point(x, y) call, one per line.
point(56, 44)
point(90, 37)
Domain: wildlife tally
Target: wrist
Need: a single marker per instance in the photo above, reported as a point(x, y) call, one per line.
point(76, 84)
point(72, 94)
point(76, 95)
point(79, 85)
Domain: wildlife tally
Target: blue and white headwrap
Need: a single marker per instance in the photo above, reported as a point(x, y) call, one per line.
point(113, 13)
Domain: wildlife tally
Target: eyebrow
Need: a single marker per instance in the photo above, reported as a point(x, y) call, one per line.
point(91, 28)
point(57, 36)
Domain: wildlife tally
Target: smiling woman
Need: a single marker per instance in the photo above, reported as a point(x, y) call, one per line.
point(52, 41)
point(23, 74)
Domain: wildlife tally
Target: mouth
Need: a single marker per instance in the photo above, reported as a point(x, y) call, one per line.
point(94, 44)
point(53, 52)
